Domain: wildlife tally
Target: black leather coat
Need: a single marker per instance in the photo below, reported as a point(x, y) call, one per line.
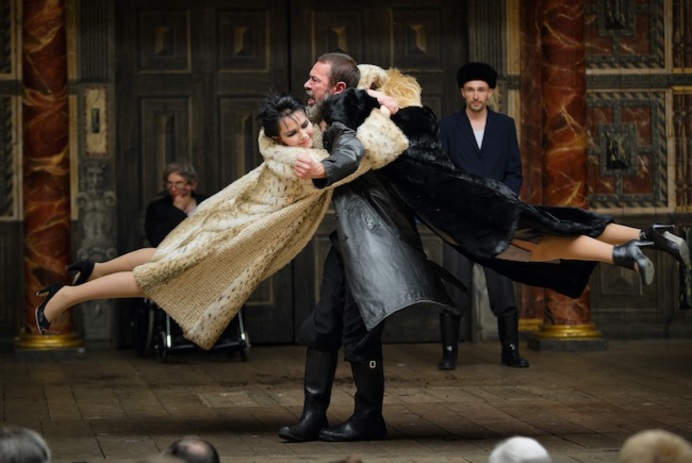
point(384, 261)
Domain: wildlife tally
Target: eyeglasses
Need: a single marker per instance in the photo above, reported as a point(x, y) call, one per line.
point(176, 184)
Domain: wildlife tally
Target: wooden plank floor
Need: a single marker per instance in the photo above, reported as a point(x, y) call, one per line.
point(113, 406)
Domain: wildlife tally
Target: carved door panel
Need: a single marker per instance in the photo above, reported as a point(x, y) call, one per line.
point(189, 77)
point(414, 37)
point(190, 74)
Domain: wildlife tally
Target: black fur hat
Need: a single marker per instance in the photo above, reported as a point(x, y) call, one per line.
point(477, 71)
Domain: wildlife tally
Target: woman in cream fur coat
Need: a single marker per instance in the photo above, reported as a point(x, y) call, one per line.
point(208, 266)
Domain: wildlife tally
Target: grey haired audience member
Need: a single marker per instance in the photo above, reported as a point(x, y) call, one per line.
point(193, 449)
point(349, 459)
point(519, 449)
point(22, 445)
point(656, 446)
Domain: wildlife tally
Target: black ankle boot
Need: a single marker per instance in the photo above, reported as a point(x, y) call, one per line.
point(320, 367)
point(629, 255)
point(663, 240)
point(508, 332)
point(449, 332)
point(84, 268)
point(367, 422)
point(510, 357)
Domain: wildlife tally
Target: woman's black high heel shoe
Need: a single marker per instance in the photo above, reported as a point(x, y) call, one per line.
point(664, 240)
point(629, 255)
point(42, 323)
point(84, 268)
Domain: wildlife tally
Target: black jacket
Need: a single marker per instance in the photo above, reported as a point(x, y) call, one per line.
point(498, 157)
point(162, 217)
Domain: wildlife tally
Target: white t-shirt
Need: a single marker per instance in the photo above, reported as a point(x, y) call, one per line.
point(479, 137)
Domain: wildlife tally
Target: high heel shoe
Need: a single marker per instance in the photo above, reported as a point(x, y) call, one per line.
point(629, 255)
point(664, 240)
point(84, 268)
point(42, 323)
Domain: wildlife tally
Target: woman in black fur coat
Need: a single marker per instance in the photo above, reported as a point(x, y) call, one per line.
point(553, 247)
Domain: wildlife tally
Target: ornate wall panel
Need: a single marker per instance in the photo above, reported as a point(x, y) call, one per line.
point(8, 158)
point(682, 130)
point(166, 36)
point(628, 159)
point(165, 128)
point(340, 30)
point(631, 167)
point(239, 137)
point(623, 34)
point(416, 42)
point(242, 40)
point(9, 115)
point(682, 35)
point(6, 37)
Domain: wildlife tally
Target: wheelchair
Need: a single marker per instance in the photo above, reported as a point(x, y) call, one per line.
point(155, 331)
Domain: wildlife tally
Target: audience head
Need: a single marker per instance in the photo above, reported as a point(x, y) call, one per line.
point(192, 449)
point(349, 459)
point(22, 445)
point(285, 121)
point(519, 449)
point(179, 175)
point(656, 446)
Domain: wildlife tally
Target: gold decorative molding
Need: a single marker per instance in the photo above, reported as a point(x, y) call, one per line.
point(567, 332)
point(96, 121)
point(530, 325)
point(57, 341)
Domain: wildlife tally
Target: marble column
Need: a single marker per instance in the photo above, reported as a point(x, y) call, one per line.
point(564, 173)
point(46, 185)
point(532, 297)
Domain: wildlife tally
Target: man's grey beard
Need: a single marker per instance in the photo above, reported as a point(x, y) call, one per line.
point(314, 112)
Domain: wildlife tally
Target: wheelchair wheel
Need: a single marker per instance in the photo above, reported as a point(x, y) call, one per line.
point(143, 327)
point(245, 348)
point(161, 347)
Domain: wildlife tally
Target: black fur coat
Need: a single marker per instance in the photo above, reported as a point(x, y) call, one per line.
point(476, 215)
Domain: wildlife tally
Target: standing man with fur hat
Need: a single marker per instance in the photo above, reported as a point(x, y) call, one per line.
point(481, 142)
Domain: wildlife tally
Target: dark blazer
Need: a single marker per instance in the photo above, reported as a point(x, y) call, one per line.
point(498, 158)
point(162, 217)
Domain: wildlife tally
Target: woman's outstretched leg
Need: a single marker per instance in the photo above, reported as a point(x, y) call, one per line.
point(580, 247)
point(658, 235)
point(59, 298)
point(615, 233)
point(628, 255)
point(123, 263)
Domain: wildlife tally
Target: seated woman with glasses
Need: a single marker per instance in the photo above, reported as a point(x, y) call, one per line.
point(178, 201)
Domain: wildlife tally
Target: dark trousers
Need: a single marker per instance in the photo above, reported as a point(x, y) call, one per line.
point(500, 288)
point(336, 320)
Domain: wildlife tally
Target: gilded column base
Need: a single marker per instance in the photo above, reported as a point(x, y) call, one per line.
point(50, 347)
point(530, 325)
point(570, 338)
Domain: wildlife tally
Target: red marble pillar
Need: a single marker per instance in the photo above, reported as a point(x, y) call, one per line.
point(532, 297)
point(46, 186)
point(563, 80)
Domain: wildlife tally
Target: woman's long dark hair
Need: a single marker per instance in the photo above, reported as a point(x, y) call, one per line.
point(275, 107)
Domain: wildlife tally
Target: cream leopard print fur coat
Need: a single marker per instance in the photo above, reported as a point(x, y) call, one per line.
point(207, 267)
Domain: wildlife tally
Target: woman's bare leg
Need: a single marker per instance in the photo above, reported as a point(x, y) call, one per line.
point(123, 263)
point(618, 234)
point(580, 247)
point(113, 286)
